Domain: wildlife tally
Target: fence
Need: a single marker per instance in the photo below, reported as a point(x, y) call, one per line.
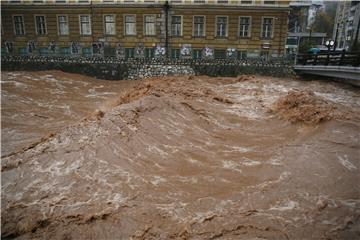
point(330, 58)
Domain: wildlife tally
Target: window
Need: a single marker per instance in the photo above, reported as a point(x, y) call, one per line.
point(85, 25)
point(83, 1)
point(244, 27)
point(38, 1)
point(196, 54)
point(130, 25)
point(175, 53)
point(109, 51)
point(264, 55)
point(242, 54)
point(199, 1)
point(223, 1)
point(219, 53)
point(149, 1)
point(19, 25)
point(246, 2)
point(60, 1)
point(108, 1)
point(176, 26)
point(199, 26)
point(221, 26)
point(40, 25)
point(176, 1)
point(109, 24)
point(267, 26)
point(150, 21)
point(269, 2)
point(63, 25)
point(149, 52)
point(129, 52)
point(86, 51)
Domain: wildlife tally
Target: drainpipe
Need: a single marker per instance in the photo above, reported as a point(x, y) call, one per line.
point(281, 42)
point(91, 21)
point(166, 8)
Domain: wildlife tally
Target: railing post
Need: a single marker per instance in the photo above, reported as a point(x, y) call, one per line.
point(315, 59)
point(358, 59)
point(342, 57)
point(328, 58)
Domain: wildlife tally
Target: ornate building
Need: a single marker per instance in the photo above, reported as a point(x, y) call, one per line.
point(136, 28)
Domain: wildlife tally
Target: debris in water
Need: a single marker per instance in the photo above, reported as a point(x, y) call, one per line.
point(303, 106)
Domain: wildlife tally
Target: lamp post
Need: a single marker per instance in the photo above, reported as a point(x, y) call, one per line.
point(329, 44)
point(336, 35)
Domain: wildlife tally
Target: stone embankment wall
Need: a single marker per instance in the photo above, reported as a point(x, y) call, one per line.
point(116, 69)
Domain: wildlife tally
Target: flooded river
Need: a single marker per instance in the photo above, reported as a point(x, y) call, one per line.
point(179, 158)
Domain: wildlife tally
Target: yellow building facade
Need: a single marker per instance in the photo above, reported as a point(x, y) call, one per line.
point(252, 27)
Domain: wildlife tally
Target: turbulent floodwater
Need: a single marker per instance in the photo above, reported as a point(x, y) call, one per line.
point(178, 158)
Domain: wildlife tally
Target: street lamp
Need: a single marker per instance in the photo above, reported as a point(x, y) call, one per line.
point(329, 44)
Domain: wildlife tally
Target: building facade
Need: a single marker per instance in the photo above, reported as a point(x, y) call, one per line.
point(346, 26)
point(131, 28)
point(301, 18)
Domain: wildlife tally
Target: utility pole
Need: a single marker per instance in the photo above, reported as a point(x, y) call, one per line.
point(356, 36)
point(166, 8)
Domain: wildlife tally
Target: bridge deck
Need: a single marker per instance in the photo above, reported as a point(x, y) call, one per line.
point(345, 65)
point(346, 72)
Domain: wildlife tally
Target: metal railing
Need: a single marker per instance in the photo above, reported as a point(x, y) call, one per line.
point(330, 58)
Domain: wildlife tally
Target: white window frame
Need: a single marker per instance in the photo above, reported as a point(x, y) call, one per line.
point(193, 25)
point(58, 25)
point(272, 30)
point(104, 23)
point(144, 17)
point(250, 26)
point(36, 28)
point(125, 34)
point(227, 26)
point(23, 22)
point(80, 29)
point(181, 24)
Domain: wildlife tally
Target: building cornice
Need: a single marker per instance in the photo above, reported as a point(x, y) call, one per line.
point(204, 7)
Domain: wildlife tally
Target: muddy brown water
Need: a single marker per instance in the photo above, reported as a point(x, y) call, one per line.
point(175, 158)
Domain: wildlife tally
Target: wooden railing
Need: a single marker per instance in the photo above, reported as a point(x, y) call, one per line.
point(330, 58)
